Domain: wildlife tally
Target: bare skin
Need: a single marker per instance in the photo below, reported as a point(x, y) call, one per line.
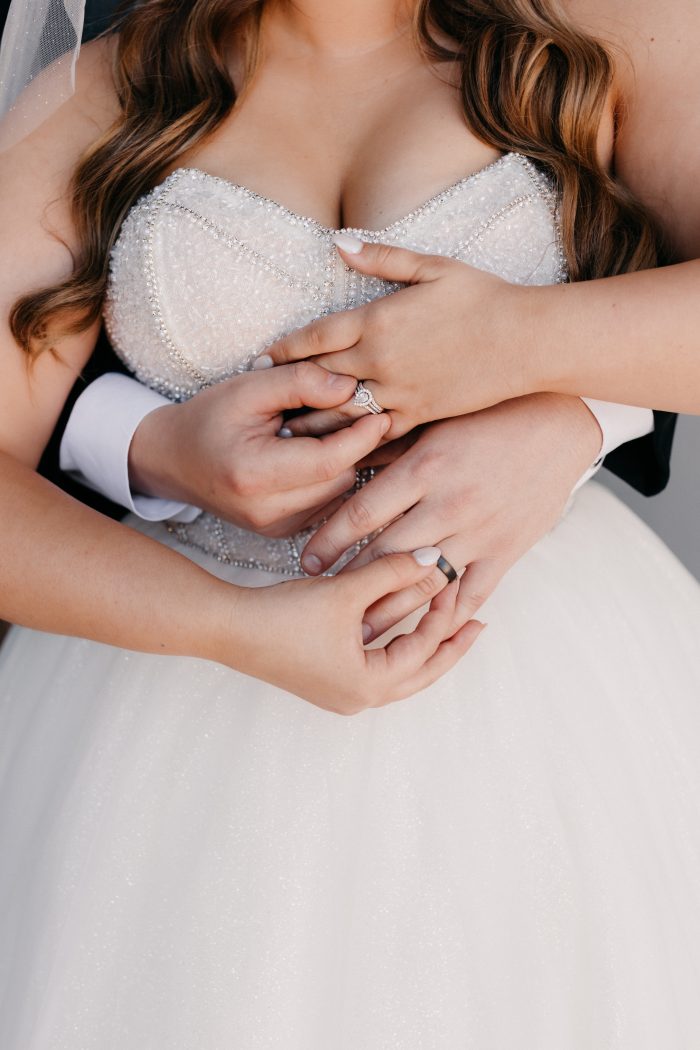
point(334, 110)
point(67, 569)
point(347, 201)
point(340, 104)
point(457, 483)
point(221, 450)
point(629, 339)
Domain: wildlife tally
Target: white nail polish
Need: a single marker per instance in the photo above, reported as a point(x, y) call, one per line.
point(351, 245)
point(264, 361)
point(285, 432)
point(427, 555)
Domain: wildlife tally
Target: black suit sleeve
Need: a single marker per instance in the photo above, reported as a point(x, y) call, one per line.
point(645, 463)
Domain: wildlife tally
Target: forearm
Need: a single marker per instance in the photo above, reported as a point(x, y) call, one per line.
point(631, 339)
point(66, 568)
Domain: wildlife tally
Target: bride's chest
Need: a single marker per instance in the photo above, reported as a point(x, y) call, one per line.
point(206, 273)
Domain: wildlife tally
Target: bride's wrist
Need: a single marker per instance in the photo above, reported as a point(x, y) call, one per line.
point(224, 623)
point(527, 314)
point(515, 335)
point(236, 627)
point(550, 319)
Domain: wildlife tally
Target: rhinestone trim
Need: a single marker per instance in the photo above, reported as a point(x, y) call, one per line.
point(235, 216)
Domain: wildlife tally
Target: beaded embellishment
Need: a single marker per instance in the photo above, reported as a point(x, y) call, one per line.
point(206, 274)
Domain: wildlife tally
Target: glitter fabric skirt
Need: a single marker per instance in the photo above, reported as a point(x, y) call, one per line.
point(191, 859)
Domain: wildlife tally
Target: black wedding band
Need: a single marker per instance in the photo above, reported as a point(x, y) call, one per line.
point(449, 570)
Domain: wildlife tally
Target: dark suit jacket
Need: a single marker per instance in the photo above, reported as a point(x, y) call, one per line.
point(643, 463)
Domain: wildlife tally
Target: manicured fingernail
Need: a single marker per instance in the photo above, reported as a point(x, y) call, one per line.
point(264, 361)
point(427, 555)
point(351, 245)
point(366, 632)
point(285, 432)
point(311, 564)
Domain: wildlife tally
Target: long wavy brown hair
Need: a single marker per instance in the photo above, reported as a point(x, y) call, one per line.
point(530, 83)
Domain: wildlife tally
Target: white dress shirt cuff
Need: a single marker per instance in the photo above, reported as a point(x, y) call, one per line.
point(619, 424)
point(95, 445)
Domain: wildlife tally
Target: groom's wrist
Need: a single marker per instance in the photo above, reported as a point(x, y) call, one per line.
point(96, 440)
point(153, 455)
point(574, 429)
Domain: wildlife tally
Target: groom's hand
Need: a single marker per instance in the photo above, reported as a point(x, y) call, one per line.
point(484, 488)
point(221, 451)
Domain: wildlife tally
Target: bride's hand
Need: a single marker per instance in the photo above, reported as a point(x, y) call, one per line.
point(221, 451)
point(306, 636)
point(440, 347)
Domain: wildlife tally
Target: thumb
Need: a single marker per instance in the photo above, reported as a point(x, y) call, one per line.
point(388, 262)
point(391, 573)
point(297, 385)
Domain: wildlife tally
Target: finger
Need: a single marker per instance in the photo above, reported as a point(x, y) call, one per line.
point(320, 513)
point(417, 527)
point(390, 450)
point(304, 461)
point(447, 655)
point(327, 334)
point(393, 608)
point(390, 263)
point(315, 423)
point(356, 361)
point(306, 506)
point(389, 574)
point(325, 421)
point(477, 583)
point(374, 506)
point(302, 384)
point(407, 653)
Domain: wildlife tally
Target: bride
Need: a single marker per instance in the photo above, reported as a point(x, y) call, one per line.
point(191, 856)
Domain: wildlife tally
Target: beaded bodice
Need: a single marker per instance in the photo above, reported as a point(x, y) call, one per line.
point(206, 274)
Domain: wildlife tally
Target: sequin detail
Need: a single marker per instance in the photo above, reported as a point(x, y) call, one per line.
point(206, 274)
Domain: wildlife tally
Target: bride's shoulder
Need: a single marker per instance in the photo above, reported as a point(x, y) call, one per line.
point(37, 159)
point(653, 45)
point(634, 25)
point(58, 142)
point(95, 103)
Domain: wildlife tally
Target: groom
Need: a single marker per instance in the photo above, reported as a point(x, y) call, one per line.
point(543, 440)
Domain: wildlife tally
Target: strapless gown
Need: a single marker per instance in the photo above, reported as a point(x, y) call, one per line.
point(192, 859)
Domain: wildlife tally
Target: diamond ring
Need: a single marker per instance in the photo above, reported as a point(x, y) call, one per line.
point(363, 399)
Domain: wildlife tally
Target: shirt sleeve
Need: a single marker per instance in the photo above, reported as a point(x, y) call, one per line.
point(619, 424)
point(95, 445)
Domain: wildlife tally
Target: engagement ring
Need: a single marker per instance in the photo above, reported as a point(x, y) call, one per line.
point(363, 399)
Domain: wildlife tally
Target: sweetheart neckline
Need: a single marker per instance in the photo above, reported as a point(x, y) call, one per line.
point(329, 231)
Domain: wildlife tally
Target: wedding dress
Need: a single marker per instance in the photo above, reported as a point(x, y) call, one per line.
point(195, 860)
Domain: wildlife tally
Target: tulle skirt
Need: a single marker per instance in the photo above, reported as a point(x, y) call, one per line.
point(191, 859)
